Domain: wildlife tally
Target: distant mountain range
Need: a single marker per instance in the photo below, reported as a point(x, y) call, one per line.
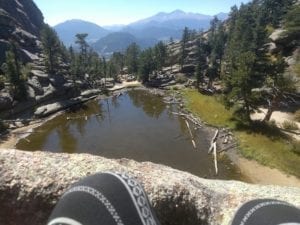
point(146, 32)
point(118, 42)
point(68, 29)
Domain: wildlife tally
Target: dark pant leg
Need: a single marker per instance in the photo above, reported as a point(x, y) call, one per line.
point(104, 199)
point(267, 212)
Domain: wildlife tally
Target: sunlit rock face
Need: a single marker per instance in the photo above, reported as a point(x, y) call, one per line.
point(31, 184)
point(20, 22)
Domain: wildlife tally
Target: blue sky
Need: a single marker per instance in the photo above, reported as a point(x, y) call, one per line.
point(108, 12)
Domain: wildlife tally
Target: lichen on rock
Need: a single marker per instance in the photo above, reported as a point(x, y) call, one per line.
point(32, 182)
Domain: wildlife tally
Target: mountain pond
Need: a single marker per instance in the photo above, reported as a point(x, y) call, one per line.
point(137, 125)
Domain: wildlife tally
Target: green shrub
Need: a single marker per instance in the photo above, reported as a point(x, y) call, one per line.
point(290, 125)
point(3, 126)
point(297, 116)
point(181, 78)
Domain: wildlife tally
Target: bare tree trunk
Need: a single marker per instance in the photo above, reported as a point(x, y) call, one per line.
point(269, 114)
point(271, 108)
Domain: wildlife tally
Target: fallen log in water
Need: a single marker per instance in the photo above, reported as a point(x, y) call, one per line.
point(77, 117)
point(228, 147)
point(190, 118)
point(215, 157)
point(188, 126)
point(213, 140)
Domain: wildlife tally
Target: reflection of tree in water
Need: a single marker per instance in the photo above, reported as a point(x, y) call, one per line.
point(85, 113)
point(182, 125)
point(172, 108)
point(115, 102)
point(63, 127)
point(152, 105)
point(67, 141)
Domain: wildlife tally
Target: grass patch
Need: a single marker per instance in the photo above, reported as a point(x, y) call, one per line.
point(275, 153)
point(208, 108)
point(264, 143)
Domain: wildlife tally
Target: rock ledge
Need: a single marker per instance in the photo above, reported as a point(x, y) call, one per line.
point(31, 183)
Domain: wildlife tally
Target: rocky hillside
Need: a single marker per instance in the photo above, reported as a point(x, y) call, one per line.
point(279, 42)
point(21, 22)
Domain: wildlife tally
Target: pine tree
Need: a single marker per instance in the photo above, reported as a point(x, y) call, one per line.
point(146, 64)
point(292, 25)
point(112, 70)
point(160, 55)
point(246, 62)
point(51, 48)
point(132, 55)
point(83, 56)
point(12, 70)
point(94, 65)
point(274, 11)
point(184, 41)
point(118, 59)
point(278, 84)
point(201, 60)
point(216, 43)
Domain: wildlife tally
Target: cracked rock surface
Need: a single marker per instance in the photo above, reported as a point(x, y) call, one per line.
point(32, 182)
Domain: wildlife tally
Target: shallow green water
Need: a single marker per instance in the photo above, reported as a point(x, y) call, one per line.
point(137, 125)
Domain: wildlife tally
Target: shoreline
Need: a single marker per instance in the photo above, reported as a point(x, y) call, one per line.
point(260, 174)
point(11, 139)
point(253, 171)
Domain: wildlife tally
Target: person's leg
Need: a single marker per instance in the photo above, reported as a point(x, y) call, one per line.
point(267, 212)
point(106, 199)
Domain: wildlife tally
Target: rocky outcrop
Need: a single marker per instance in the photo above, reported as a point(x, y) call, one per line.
point(31, 184)
point(6, 101)
point(49, 109)
point(20, 22)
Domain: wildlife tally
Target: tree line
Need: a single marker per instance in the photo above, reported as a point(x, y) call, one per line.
point(237, 53)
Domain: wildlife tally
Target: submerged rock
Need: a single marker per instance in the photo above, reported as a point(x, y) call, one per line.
point(32, 182)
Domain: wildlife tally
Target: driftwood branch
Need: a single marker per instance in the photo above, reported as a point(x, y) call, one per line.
point(77, 117)
point(228, 147)
point(213, 140)
point(215, 157)
point(188, 126)
point(189, 117)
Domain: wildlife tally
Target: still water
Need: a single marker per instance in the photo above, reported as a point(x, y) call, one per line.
point(137, 125)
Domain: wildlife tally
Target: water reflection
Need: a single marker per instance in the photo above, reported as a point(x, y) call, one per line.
point(153, 106)
point(66, 140)
point(136, 125)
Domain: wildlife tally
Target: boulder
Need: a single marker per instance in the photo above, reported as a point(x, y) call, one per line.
point(188, 68)
point(57, 80)
point(277, 35)
point(49, 109)
point(49, 93)
point(35, 84)
point(30, 92)
point(6, 101)
point(32, 182)
point(90, 93)
point(40, 74)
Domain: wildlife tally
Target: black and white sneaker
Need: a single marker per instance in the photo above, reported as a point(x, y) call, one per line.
point(106, 199)
point(267, 212)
